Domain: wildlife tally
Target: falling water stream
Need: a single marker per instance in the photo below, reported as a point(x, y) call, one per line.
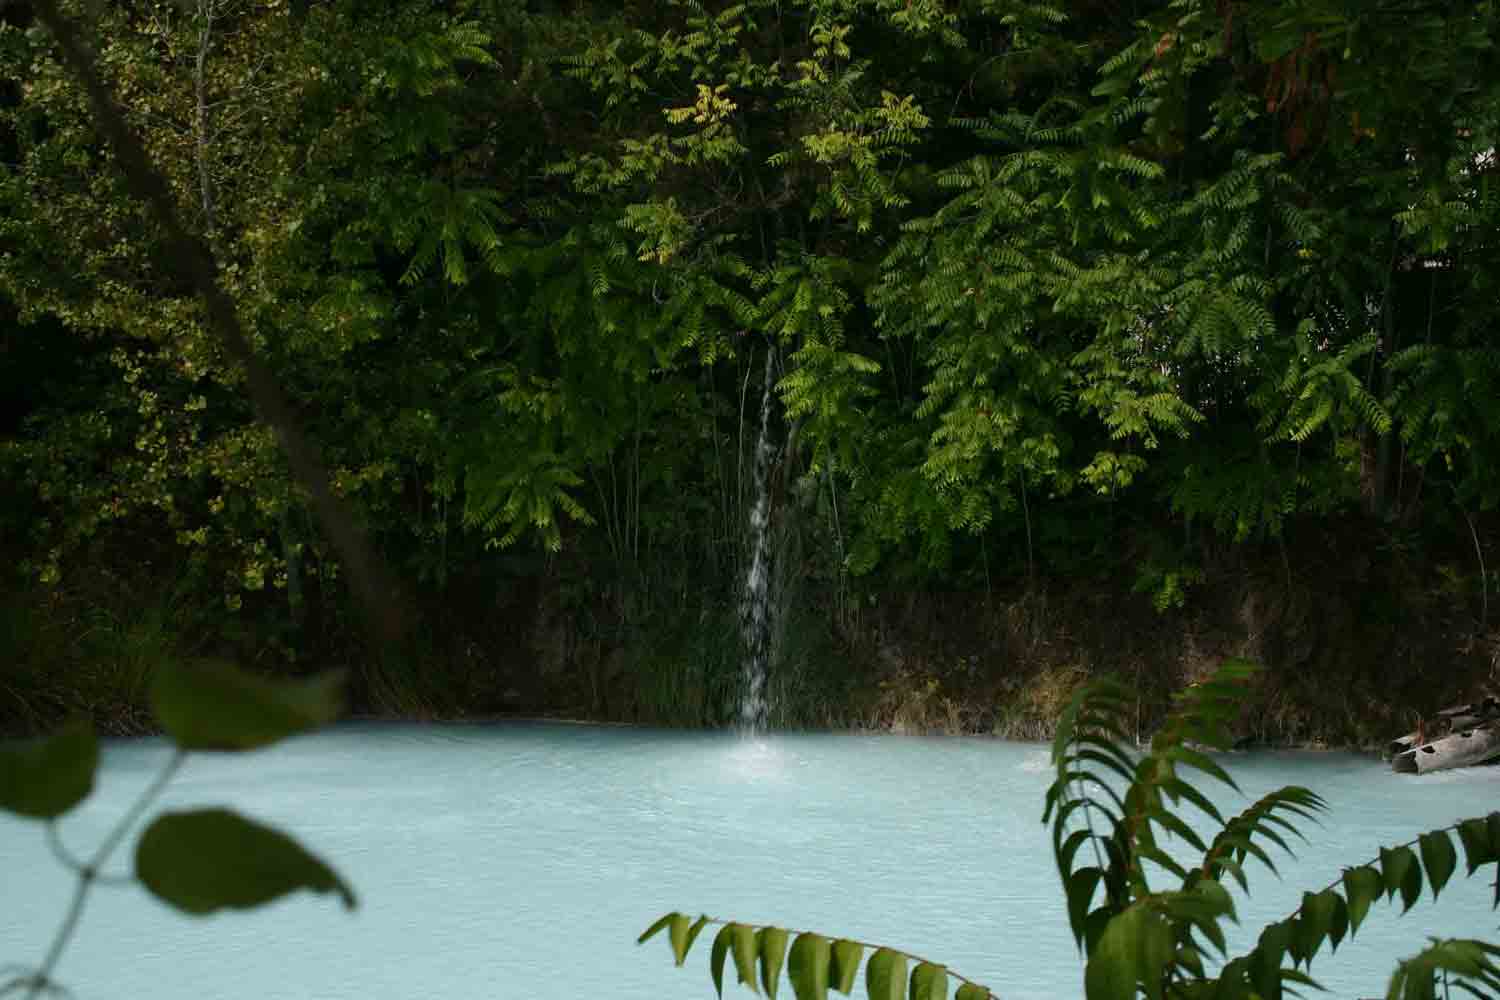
point(755, 600)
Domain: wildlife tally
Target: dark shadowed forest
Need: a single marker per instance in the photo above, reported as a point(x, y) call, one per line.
point(1071, 338)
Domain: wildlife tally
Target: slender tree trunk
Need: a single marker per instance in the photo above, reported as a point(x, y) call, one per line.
point(1377, 472)
point(291, 550)
point(368, 573)
point(201, 135)
point(1030, 551)
point(1390, 343)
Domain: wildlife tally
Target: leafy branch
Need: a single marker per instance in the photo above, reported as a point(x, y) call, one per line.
point(88, 874)
point(1142, 941)
point(1328, 915)
point(1138, 940)
point(814, 964)
point(197, 861)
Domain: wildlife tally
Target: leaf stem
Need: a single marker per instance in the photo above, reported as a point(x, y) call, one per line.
point(68, 860)
point(140, 805)
point(868, 946)
point(43, 976)
point(88, 874)
point(59, 849)
point(1372, 863)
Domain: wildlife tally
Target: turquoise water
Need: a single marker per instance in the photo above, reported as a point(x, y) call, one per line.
point(522, 861)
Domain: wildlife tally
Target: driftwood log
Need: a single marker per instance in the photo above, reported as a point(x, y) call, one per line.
point(1458, 737)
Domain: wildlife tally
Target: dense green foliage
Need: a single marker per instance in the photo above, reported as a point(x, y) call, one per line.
point(1137, 940)
point(1052, 289)
point(1122, 821)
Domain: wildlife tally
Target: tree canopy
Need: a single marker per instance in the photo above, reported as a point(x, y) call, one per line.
point(1032, 276)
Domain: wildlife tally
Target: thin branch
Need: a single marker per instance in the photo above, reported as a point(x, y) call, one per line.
point(1484, 576)
point(41, 981)
point(24, 980)
point(70, 861)
point(200, 89)
point(1374, 863)
point(868, 947)
point(134, 812)
point(372, 582)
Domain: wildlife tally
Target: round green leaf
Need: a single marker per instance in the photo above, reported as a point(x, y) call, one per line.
point(720, 951)
point(772, 947)
point(1401, 873)
point(929, 982)
point(44, 778)
point(1361, 888)
point(1079, 887)
point(885, 975)
point(214, 859)
point(210, 705)
point(1266, 972)
point(843, 965)
point(1314, 924)
point(971, 991)
point(742, 943)
point(651, 932)
point(1113, 966)
point(1394, 863)
point(1339, 925)
point(1478, 850)
point(807, 965)
point(1155, 953)
point(692, 935)
point(1439, 858)
point(679, 934)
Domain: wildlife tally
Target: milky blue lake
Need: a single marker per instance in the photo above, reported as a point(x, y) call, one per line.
point(521, 860)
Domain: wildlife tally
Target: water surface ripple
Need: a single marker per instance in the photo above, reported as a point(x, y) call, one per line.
point(521, 860)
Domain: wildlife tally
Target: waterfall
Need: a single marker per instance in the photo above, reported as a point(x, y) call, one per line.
point(755, 599)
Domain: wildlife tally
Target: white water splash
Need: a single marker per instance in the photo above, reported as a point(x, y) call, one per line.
point(755, 760)
point(1036, 762)
point(755, 599)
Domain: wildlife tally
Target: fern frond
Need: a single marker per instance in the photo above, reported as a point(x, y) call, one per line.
point(1458, 963)
point(1237, 840)
point(814, 963)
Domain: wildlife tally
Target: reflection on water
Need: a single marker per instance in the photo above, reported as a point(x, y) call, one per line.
point(522, 860)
